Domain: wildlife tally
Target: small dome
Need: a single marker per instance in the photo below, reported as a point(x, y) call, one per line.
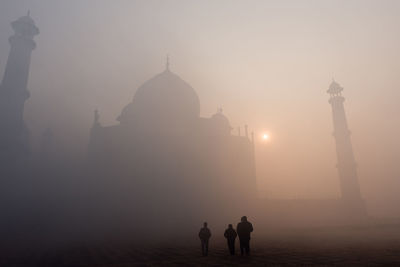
point(334, 88)
point(221, 119)
point(165, 98)
point(220, 123)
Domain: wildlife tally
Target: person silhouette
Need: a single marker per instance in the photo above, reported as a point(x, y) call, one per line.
point(244, 228)
point(230, 235)
point(204, 236)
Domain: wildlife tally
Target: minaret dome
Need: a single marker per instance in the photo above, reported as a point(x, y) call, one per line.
point(25, 26)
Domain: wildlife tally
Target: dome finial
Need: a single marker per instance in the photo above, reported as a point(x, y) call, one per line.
point(29, 13)
point(167, 63)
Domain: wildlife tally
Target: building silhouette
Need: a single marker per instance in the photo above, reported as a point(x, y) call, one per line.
point(347, 167)
point(163, 154)
point(14, 135)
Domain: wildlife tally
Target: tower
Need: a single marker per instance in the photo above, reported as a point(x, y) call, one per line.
point(14, 144)
point(347, 168)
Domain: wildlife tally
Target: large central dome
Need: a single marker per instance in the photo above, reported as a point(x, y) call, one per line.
point(164, 99)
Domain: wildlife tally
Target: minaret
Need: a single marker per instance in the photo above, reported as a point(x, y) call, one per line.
point(96, 121)
point(94, 131)
point(167, 64)
point(13, 90)
point(347, 168)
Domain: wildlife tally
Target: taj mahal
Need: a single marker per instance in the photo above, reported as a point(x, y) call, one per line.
point(163, 148)
point(162, 161)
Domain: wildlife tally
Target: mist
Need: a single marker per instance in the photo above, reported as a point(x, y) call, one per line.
point(265, 65)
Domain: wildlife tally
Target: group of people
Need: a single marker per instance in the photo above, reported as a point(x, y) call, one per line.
point(243, 230)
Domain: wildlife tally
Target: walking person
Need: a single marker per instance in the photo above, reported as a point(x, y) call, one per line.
point(204, 236)
point(244, 228)
point(230, 235)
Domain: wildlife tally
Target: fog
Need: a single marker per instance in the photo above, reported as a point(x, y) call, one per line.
point(267, 64)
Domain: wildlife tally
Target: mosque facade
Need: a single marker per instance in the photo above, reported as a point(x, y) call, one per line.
point(164, 153)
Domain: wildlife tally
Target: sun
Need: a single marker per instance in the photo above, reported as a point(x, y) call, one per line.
point(265, 137)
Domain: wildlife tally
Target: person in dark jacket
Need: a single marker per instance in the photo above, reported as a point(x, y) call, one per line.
point(230, 235)
point(204, 236)
point(244, 228)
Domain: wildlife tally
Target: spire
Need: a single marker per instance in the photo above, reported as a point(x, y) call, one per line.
point(96, 117)
point(28, 13)
point(167, 63)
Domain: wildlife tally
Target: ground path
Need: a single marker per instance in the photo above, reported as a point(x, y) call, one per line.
point(379, 246)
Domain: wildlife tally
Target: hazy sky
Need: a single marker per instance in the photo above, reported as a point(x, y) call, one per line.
point(267, 63)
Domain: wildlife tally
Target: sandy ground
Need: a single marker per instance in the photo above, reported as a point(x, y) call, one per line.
point(349, 246)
